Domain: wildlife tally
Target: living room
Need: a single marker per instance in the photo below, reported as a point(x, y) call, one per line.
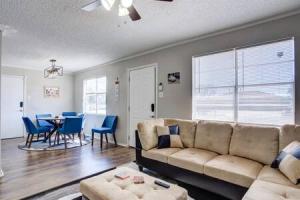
point(224, 67)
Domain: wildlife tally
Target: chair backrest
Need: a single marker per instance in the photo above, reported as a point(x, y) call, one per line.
point(72, 125)
point(83, 119)
point(42, 122)
point(30, 127)
point(110, 122)
point(69, 114)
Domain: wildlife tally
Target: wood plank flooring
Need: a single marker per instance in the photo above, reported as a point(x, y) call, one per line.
point(28, 173)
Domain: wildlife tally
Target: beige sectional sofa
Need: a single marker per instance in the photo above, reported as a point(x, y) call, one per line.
point(230, 157)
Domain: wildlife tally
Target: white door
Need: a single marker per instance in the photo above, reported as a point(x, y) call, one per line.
point(142, 98)
point(12, 98)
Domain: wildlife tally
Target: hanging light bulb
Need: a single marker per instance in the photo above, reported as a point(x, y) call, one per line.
point(108, 4)
point(126, 3)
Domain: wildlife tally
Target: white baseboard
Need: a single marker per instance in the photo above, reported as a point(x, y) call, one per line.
point(110, 140)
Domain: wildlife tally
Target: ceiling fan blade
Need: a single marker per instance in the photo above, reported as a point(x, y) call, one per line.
point(133, 13)
point(91, 6)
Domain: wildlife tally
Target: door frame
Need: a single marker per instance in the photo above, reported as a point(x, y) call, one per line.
point(24, 96)
point(155, 66)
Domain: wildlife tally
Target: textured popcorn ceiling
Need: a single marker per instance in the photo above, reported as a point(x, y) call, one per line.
point(38, 30)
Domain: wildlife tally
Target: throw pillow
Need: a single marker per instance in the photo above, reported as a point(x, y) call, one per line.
point(168, 137)
point(288, 162)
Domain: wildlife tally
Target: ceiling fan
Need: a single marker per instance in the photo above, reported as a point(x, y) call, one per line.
point(125, 7)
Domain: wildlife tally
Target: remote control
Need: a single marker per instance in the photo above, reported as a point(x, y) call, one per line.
point(161, 184)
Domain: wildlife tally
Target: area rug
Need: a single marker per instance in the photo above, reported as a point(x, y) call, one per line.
point(44, 146)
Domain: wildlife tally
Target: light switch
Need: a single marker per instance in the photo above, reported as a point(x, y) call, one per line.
point(160, 94)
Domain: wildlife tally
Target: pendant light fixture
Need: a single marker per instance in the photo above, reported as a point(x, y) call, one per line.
point(53, 71)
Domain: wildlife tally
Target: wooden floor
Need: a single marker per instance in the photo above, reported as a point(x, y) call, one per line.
point(28, 173)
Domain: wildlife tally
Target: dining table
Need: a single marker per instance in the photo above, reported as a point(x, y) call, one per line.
point(57, 123)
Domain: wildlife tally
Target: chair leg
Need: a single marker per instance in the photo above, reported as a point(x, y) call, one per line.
point(58, 137)
point(79, 135)
point(55, 138)
point(27, 139)
point(73, 136)
point(30, 141)
point(92, 138)
point(38, 137)
point(115, 139)
point(101, 139)
point(65, 141)
point(50, 141)
point(106, 138)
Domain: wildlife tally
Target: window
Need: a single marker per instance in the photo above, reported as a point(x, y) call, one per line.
point(248, 85)
point(94, 96)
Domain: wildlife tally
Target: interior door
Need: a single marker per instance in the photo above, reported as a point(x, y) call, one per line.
point(12, 98)
point(142, 98)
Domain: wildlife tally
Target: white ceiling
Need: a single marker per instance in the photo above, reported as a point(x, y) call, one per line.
point(43, 29)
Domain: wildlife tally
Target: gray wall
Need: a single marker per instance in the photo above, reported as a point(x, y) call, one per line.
point(1, 172)
point(35, 102)
point(177, 101)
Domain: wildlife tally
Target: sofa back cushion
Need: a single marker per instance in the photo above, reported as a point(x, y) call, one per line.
point(187, 129)
point(255, 142)
point(288, 134)
point(148, 133)
point(213, 136)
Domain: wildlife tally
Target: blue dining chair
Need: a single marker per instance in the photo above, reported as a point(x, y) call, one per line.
point(32, 130)
point(43, 123)
point(109, 125)
point(71, 125)
point(69, 114)
point(83, 123)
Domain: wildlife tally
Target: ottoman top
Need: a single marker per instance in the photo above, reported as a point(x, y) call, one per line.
point(107, 187)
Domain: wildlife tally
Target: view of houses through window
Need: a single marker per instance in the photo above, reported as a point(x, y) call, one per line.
point(248, 85)
point(94, 96)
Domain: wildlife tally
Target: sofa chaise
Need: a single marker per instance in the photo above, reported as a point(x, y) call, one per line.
point(230, 160)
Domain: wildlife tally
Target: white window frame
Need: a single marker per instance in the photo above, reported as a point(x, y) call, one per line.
point(235, 50)
point(94, 93)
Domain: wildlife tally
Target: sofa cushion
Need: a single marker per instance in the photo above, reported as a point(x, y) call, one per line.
point(187, 130)
point(147, 132)
point(288, 134)
point(159, 154)
point(272, 175)
point(261, 190)
point(168, 137)
point(254, 142)
point(213, 136)
point(191, 159)
point(288, 162)
point(233, 169)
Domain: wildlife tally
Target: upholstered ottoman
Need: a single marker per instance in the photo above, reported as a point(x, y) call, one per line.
point(107, 187)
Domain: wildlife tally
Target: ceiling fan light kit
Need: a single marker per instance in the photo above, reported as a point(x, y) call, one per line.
point(108, 4)
point(123, 11)
point(125, 7)
point(126, 3)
